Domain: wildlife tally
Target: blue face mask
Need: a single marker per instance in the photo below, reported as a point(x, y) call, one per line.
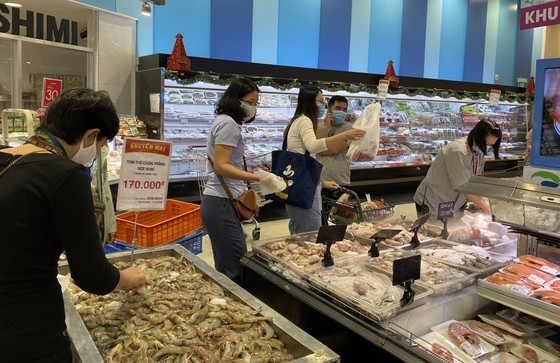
point(321, 110)
point(338, 117)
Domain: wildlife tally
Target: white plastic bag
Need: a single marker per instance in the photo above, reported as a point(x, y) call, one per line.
point(366, 148)
point(270, 183)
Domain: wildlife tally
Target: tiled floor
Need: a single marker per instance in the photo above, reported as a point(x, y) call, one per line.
point(279, 228)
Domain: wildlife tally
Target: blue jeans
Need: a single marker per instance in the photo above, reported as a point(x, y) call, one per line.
point(305, 220)
point(226, 236)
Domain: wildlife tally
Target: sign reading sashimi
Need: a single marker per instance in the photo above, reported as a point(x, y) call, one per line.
point(144, 174)
point(539, 13)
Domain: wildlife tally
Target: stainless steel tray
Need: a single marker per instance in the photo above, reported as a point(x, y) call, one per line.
point(445, 286)
point(495, 260)
point(301, 345)
point(348, 296)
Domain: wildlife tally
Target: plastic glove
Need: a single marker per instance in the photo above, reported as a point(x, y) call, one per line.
point(270, 183)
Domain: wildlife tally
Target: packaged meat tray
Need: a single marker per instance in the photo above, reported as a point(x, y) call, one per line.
point(525, 321)
point(368, 292)
point(182, 313)
point(443, 348)
point(546, 345)
point(474, 258)
point(533, 354)
point(440, 277)
point(463, 339)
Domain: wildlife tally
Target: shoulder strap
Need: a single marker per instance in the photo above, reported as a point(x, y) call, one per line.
point(223, 182)
point(285, 142)
point(15, 161)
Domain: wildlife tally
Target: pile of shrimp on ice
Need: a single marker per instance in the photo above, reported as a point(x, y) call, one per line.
point(180, 315)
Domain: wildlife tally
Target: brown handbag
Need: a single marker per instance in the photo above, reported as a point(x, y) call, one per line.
point(246, 206)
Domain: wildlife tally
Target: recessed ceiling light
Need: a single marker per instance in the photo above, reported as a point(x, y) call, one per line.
point(14, 5)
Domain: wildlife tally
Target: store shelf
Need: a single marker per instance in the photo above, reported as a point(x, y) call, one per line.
point(531, 306)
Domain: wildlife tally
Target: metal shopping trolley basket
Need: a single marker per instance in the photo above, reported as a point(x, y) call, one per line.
point(254, 163)
point(350, 209)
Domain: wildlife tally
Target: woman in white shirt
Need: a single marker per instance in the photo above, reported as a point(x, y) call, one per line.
point(301, 135)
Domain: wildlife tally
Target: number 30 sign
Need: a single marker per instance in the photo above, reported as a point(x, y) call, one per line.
point(51, 89)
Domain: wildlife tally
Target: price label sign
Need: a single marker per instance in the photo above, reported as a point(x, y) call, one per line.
point(51, 89)
point(445, 210)
point(383, 88)
point(144, 174)
point(494, 97)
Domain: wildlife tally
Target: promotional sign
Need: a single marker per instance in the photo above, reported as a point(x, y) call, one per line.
point(144, 174)
point(51, 89)
point(537, 13)
point(383, 88)
point(494, 97)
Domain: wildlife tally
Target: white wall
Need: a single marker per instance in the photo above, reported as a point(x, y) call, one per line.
point(115, 59)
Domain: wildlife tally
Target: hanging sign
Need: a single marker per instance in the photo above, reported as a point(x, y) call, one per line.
point(494, 97)
point(144, 174)
point(383, 88)
point(51, 89)
point(536, 14)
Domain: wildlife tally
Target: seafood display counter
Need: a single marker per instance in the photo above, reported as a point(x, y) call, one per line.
point(187, 309)
point(341, 305)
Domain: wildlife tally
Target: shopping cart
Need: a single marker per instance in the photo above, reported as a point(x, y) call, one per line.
point(254, 163)
point(350, 209)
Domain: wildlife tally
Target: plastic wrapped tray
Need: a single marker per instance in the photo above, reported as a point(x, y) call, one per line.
point(487, 263)
point(542, 355)
point(427, 341)
point(477, 351)
point(357, 295)
point(440, 277)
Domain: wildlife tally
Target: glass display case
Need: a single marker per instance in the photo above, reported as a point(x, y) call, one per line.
point(413, 129)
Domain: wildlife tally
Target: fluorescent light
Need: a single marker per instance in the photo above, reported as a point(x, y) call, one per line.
point(14, 5)
point(146, 9)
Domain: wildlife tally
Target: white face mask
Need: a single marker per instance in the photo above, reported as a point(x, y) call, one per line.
point(250, 111)
point(85, 154)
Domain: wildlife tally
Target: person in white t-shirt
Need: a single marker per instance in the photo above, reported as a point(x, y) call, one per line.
point(301, 134)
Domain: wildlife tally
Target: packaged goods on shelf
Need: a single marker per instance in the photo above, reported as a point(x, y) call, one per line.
point(412, 130)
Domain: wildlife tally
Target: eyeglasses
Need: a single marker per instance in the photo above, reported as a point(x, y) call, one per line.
point(250, 103)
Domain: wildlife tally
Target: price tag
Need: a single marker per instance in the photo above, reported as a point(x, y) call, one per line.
point(383, 88)
point(331, 233)
point(406, 269)
point(494, 97)
point(536, 279)
point(51, 89)
point(549, 270)
point(445, 210)
point(144, 174)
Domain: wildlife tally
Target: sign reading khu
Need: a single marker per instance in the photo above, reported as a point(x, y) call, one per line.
point(37, 25)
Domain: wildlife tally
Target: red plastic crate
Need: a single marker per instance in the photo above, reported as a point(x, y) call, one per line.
point(160, 226)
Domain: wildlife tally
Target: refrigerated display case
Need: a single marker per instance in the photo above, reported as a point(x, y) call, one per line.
point(413, 129)
point(533, 211)
point(285, 277)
